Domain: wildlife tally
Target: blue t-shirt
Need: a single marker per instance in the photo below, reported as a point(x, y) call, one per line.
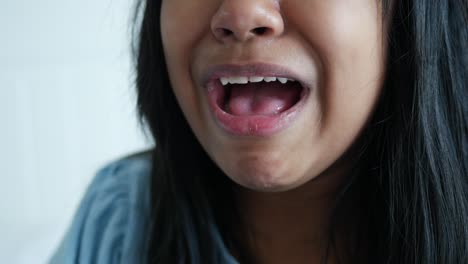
point(111, 222)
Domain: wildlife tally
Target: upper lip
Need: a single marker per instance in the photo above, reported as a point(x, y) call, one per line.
point(250, 70)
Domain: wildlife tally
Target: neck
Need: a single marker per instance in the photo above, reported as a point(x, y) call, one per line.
point(293, 223)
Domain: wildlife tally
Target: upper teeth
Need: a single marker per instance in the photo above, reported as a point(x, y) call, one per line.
point(253, 79)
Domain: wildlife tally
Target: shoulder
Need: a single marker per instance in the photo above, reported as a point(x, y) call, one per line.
point(127, 176)
point(109, 224)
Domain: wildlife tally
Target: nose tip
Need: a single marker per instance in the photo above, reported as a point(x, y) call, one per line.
point(241, 20)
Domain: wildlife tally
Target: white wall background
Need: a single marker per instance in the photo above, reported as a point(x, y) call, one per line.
point(66, 108)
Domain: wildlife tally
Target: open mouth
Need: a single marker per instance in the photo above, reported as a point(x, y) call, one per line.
point(264, 96)
point(256, 106)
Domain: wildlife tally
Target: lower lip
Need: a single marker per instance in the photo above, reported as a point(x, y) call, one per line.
point(254, 125)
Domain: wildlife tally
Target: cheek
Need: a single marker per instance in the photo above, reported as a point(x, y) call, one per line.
point(183, 24)
point(180, 33)
point(347, 38)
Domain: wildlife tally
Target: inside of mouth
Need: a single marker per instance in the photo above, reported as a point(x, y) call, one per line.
point(261, 98)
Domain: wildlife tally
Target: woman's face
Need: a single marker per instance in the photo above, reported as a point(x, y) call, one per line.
point(265, 134)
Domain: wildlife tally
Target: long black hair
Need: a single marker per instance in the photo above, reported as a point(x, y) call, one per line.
point(413, 169)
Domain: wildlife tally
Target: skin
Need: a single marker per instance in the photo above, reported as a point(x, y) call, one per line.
point(286, 181)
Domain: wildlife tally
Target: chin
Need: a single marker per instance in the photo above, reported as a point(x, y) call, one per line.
point(262, 178)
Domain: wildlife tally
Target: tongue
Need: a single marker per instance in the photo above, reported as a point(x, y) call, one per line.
point(262, 98)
